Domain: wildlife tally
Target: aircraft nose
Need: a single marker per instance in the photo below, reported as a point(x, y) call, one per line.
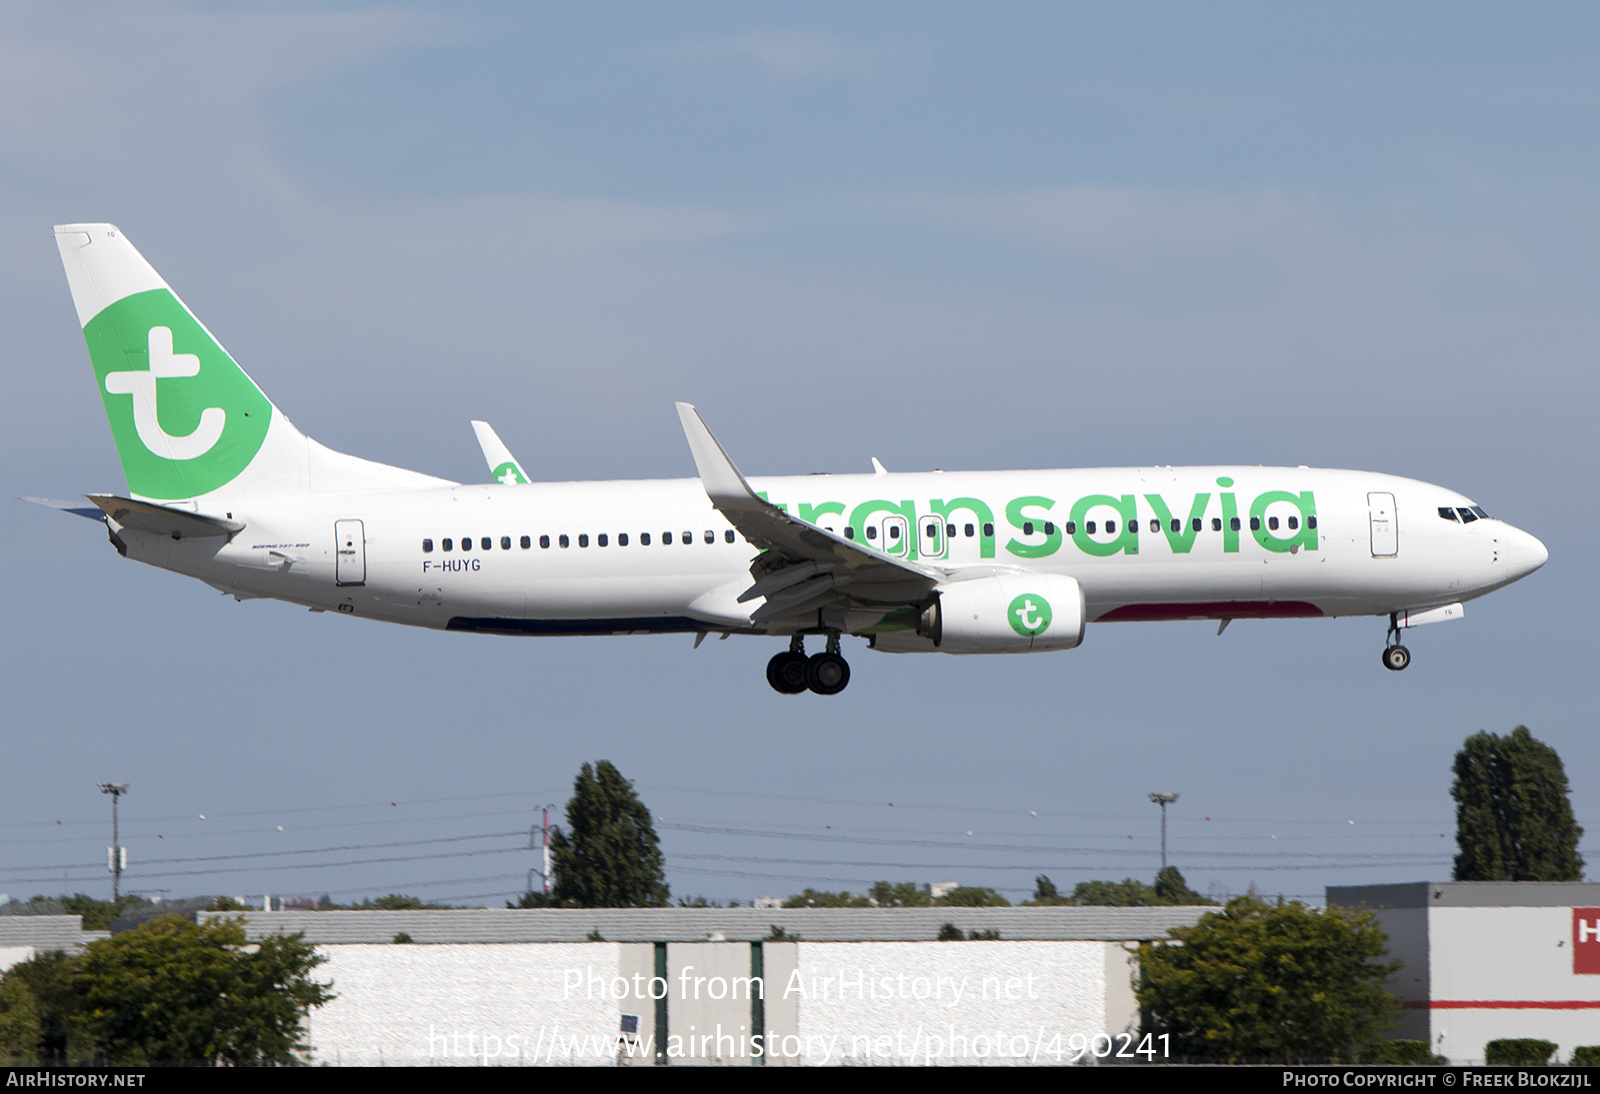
point(1523, 552)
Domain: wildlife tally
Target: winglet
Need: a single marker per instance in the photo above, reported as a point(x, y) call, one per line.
point(721, 479)
point(503, 466)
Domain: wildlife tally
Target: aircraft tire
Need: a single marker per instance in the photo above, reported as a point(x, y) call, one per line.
point(786, 672)
point(1396, 658)
point(827, 673)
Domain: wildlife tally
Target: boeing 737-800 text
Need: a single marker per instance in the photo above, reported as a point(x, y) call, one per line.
point(223, 488)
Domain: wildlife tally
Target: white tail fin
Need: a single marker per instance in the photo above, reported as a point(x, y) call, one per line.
point(187, 420)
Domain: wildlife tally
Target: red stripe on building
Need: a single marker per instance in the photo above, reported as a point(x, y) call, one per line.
point(1504, 1004)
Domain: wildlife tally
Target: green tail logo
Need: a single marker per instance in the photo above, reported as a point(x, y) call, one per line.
point(185, 417)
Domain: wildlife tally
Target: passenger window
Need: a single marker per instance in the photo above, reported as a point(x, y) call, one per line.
point(1177, 525)
point(1255, 524)
point(644, 539)
point(688, 538)
point(583, 539)
point(1216, 524)
point(487, 543)
point(872, 531)
point(711, 537)
point(666, 539)
point(1447, 513)
point(1049, 527)
point(1294, 522)
point(427, 546)
point(527, 542)
point(1088, 526)
point(1155, 525)
point(1111, 527)
point(969, 531)
point(988, 528)
point(1233, 523)
point(447, 543)
point(849, 532)
point(728, 535)
point(1027, 527)
point(505, 543)
point(1071, 527)
point(1311, 522)
point(1272, 523)
point(544, 542)
point(622, 539)
point(601, 540)
point(931, 531)
point(1197, 524)
point(466, 543)
point(565, 543)
point(950, 531)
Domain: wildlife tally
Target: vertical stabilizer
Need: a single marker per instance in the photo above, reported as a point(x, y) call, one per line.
point(188, 422)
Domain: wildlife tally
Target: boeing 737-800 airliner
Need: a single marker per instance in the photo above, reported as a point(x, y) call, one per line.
point(223, 488)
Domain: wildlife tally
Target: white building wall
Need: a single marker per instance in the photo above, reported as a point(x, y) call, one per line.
point(944, 1002)
point(1519, 963)
point(468, 1004)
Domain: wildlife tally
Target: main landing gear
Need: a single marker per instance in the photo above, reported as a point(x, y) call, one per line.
point(1395, 656)
point(792, 672)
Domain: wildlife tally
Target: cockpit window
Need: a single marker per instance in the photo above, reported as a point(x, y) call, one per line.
point(1478, 509)
point(1447, 512)
point(1467, 515)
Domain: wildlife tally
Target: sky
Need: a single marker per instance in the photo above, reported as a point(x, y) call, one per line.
point(944, 235)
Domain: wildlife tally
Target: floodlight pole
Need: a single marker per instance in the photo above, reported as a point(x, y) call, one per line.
point(1163, 799)
point(118, 856)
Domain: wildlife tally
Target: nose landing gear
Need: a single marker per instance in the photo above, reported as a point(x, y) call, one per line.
point(792, 672)
point(1395, 656)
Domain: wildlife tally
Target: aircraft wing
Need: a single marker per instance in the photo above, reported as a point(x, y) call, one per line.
point(503, 466)
point(802, 567)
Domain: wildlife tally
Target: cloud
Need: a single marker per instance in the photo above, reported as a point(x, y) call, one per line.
point(781, 54)
point(1132, 227)
point(118, 84)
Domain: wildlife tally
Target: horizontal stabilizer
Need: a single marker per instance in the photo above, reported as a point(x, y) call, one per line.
point(77, 509)
point(163, 520)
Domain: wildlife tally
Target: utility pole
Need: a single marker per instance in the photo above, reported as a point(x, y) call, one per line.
point(117, 856)
point(1163, 799)
point(541, 832)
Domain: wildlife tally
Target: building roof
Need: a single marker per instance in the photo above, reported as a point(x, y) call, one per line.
point(1468, 894)
point(47, 932)
point(718, 924)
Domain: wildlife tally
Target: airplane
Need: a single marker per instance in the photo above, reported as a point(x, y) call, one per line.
point(223, 488)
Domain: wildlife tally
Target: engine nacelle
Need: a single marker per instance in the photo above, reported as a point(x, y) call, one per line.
point(1007, 613)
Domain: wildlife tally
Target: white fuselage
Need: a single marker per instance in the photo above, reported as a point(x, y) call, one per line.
point(654, 556)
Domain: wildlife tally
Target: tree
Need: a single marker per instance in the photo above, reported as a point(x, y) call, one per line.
point(972, 896)
point(1270, 982)
point(1170, 890)
point(821, 898)
point(1513, 818)
point(1173, 890)
point(608, 856)
point(173, 991)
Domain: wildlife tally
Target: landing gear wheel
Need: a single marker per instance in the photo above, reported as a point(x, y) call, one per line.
point(1396, 658)
point(827, 673)
point(786, 672)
